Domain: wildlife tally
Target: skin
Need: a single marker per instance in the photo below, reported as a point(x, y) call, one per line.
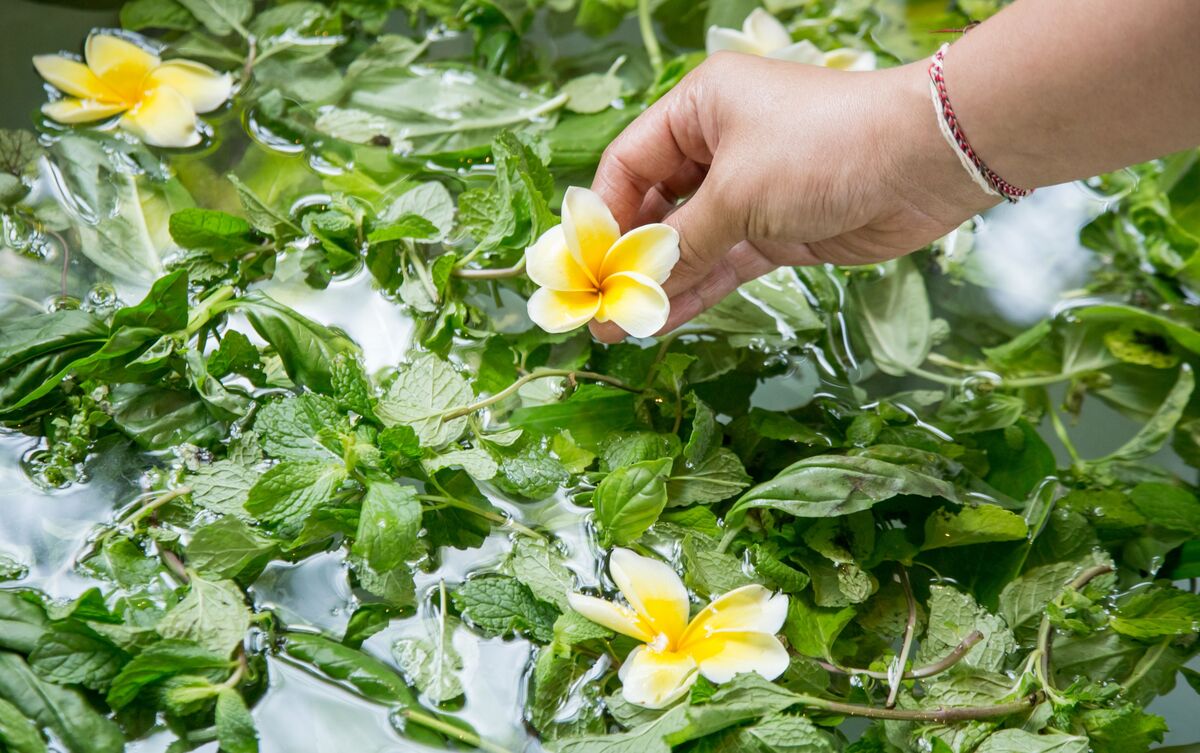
point(807, 165)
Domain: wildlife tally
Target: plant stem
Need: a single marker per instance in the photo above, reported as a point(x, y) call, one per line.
point(649, 39)
point(1044, 632)
point(730, 534)
point(204, 309)
point(526, 379)
point(503, 520)
point(929, 670)
point(909, 628)
point(175, 565)
point(1146, 663)
point(1060, 431)
point(140, 513)
point(935, 377)
point(936, 716)
point(490, 274)
point(423, 273)
point(449, 730)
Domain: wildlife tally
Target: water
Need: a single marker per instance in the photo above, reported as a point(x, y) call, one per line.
point(302, 713)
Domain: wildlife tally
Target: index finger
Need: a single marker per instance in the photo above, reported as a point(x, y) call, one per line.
point(651, 149)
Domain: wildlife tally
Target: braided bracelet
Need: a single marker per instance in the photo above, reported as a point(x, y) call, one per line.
point(984, 176)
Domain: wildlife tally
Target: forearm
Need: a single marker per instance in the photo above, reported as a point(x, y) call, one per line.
point(1054, 90)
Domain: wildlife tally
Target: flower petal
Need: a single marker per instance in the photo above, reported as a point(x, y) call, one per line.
point(120, 64)
point(549, 263)
point(766, 30)
point(204, 87)
point(653, 589)
point(656, 679)
point(651, 250)
point(616, 617)
point(720, 39)
point(72, 77)
point(81, 110)
point(749, 609)
point(803, 51)
point(559, 311)
point(164, 117)
point(635, 302)
point(726, 654)
point(849, 59)
point(589, 228)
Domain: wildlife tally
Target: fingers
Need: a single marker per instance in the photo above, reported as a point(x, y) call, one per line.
point(652, 149)
point(664, 197)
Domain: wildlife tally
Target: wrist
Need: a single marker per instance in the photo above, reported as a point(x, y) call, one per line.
point(923, 169)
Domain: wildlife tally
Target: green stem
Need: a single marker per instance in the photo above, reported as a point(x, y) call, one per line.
point(504, 520)
point(490, 274)
point(909, 628)
point(1060, 431)
point(730, 534)
point(1148, 661)
point(937, 716)
point(649, 38)
point(207, 308)
point(449, 730)
point(929, 670)
point(423, 273)
point(935, 377)
point(1042, 668)
point(531, 376)
point(142, 512)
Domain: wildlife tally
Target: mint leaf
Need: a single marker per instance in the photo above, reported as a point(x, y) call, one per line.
point(213, 615)
point(290, 429)
point(811, 630)
point(718, 476)
point(972, 525)
point(1156, 612)
point(629, 500)
point(952, 616)
point(17, 733)
point(221, 234)
point(287, 493)
point(431, 662)
point(226, 547)
point(388, 527)
point(424, 391)
point(78, 727)
point(500, 605)
point(162, 660)
point(542, 568)
point(71, 653)
point(235, 727)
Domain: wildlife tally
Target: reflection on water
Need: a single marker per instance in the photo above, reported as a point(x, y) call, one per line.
point(1028, 255)
point(314, 592)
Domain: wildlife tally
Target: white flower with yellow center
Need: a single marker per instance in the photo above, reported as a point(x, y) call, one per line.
point(762, 34)
point(735, 633)
point(159, 100)
point(588, 270)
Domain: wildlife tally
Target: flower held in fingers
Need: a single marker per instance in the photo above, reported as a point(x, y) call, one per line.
point(762, 34)
point(734, 633)
point(157, 101)
point(588, 270)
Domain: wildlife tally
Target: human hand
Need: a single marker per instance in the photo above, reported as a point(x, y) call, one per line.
point(784, 164)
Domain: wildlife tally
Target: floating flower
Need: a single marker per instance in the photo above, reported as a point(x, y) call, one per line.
point(763, 34)
point(159, 100)
point(734, 633)
point(588, 270)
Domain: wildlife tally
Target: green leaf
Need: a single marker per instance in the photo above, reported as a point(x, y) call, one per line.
point(1155, 432)
point(952, 616)
point(156, 14)
point(718, 476)
point(1026, 597)
point(500, 605)
point(308, 349)
point(18, 734)
point(829, 485)
point(811, 630)
point(591, 92)
point(424, 391)
point(219, 233)
point(1167, 507)
point(226, 547)
point(791, 733)
point(629, 500)
point(572, 628)
point(221, 17)
point(1125, 729)
point(22, 622)
point(542, 568)
point(291, 429)
point(235, 727)
point(431, 662)
point(972, 525)
point(287, 493)
point(78, 727)
point(71, 653)
point(773, 308)
point(594, 414)
point(710, 572)
point(430, 202)
point(638, 447)
point(783, 576)
point(371, 677)
point(223, 487)
point(894, 317)
point(1158, 611)
point(388, 526)
point(213, 615)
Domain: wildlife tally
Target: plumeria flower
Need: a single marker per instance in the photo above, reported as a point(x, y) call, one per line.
point(735, 633)
point(588, 270)
point(159, 100)
point(763, 34)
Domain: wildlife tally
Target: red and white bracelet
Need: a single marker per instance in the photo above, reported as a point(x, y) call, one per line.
point(984, 176)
